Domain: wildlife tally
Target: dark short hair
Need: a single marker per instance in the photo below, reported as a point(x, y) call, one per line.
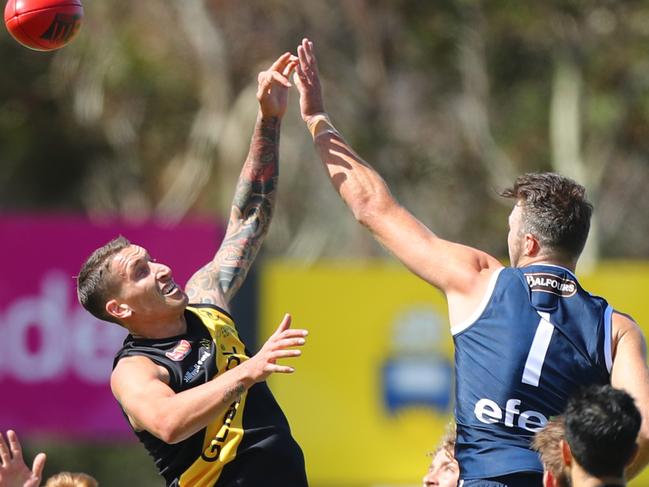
point(94, 281)
point(601, 427)
point(555, 211)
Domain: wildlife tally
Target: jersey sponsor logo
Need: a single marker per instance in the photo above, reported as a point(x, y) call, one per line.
point(550, 283)
point(226, 331)
point(180, 351)
point(488, 412)
point(213, 451)
point(194, 371)
point(208, 313)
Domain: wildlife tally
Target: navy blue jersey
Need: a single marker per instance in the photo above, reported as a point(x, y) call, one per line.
point(535, 338)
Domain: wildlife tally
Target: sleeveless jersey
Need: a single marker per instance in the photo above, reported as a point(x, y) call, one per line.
point(535, 338)
point(250, 444)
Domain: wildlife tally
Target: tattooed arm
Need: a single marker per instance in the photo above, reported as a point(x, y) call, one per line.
point(254, 198)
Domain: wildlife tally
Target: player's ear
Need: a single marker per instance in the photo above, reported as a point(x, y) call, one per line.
point(566, 454)
point(119, 311)
point(531, 246)
point(548, 479)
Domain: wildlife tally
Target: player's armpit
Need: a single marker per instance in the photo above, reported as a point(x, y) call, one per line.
point(630, 372)
point(140, 386)
point(204, 286)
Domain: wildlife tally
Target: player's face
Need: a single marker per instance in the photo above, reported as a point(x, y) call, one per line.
point(444, 471)
point(515, 236)
point(145, 286)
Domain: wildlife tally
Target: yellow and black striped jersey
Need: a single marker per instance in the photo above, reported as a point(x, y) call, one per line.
point(248, 445)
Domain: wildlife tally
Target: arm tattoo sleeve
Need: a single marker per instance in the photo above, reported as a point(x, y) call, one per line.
point(252, 209)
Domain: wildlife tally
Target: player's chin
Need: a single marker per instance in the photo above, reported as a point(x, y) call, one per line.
point(183, 299)
point(177, 299)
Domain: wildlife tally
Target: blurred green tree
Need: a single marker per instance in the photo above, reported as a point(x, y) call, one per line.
point(149, 112)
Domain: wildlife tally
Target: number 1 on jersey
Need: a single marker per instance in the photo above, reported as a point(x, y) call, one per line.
point(538, 350)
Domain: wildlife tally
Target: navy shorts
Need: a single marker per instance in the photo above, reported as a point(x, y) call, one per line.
point(514, 480)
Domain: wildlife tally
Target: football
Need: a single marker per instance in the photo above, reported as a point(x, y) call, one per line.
point(43, 25)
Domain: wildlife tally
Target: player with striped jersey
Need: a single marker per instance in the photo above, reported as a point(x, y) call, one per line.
point(189, 389)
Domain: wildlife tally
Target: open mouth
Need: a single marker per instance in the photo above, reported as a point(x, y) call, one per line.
point(169, 288)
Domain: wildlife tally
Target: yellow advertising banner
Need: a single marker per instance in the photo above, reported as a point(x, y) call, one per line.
point(372, 393)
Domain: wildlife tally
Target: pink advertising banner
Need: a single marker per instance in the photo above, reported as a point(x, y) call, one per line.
point(55, 358)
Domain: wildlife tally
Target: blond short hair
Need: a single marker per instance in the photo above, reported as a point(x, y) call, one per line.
point(547, 443)
point(448, 441)
point(69, 479)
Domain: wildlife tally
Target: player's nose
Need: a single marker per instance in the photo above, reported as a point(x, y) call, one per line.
point(163, 270)
point(429, 480)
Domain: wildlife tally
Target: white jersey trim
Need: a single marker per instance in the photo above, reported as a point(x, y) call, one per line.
point(608, 332)
point(463, 325)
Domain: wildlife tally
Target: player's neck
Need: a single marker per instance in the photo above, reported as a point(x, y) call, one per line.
point(547, 260)
point(159, 328)
point(580, 478)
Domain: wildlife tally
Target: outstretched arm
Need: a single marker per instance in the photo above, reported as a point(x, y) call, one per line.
point(630, 372)
point(457, 270)
point(141, 388)
point(254, 197)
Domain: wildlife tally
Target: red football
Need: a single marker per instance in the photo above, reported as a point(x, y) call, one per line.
point(43, 25)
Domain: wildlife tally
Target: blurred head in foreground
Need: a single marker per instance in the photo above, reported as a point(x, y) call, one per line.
point(68, 479)
point(601, 427)
point(444, 470)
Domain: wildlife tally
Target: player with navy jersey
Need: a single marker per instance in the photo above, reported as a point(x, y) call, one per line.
point(525, 335)
point(537, 337)
point(190, 391)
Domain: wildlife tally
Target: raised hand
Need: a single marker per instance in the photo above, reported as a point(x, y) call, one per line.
point(278, 346)
point(13, 471)
point(272, 91)
point(307, 80)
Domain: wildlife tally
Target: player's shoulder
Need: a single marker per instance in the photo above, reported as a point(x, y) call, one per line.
point(132, 364)
point(134, 369)
point(211, 316)
point(622, 316)
point(624, 326)
point(623, 320)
